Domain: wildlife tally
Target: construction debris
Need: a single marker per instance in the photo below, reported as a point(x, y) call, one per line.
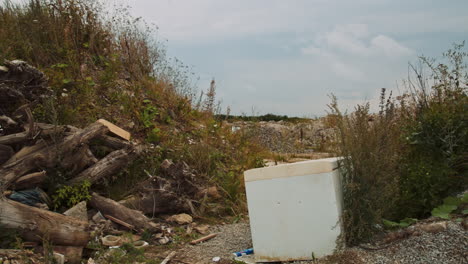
point(33, 153)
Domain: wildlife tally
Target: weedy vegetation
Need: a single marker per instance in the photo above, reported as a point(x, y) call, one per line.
point(403, 161)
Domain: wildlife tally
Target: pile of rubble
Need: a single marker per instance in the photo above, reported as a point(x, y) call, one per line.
point(32, 152)
point(284, 137)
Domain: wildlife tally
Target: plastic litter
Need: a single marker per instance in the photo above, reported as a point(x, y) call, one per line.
point(31, 197)
point(244, 252)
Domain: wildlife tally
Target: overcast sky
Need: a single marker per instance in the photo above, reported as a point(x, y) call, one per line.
point(286, 56)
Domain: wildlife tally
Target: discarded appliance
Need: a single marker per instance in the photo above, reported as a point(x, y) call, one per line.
point(294, 210)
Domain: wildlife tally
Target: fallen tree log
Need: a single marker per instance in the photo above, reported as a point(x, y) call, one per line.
point(113, 208)
point(26, 150)
point(14, 138)
point(107, 166)
point(5, 153)
point(38, 225)
point(49, 156)
point(78, 161)
point(158, 201)
point(30, 181)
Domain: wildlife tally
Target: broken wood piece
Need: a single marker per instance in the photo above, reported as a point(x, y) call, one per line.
point(14, 138)
point(79, 160)
point(6, 152)
point(109, 165)
point(202, 239)
point(48, 157)
point(113, 142)
point(35, 224)
point(115, 129)
point(30, 181)
point(168, 258)
point(8, 121)
point(120, 222)
point(112, 208)
point(24, 152)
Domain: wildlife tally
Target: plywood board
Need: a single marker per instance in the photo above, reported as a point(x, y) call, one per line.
point(115, 129)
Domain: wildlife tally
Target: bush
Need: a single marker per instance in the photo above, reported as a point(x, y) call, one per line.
point(370, 147)
point(403, 161)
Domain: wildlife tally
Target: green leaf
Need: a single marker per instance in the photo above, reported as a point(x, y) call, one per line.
point(407, 222)
point(390, 224)
point(443, 211)
point(452, 201)
point(464, 199)
point(465, 212)
point(66, 81)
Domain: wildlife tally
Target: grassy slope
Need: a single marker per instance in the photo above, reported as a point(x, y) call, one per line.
point(107, 65)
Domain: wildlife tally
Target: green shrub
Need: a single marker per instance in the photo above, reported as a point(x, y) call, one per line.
point(68, 196)
point(369, 167)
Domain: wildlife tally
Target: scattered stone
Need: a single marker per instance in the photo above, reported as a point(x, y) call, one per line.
point(164, 240)
point(434, 227)
point(98, 217)
point(166, 164)
point(202, 229)
point(216, 259)
point(78, 211)
point(59, 258)
point(181, 219)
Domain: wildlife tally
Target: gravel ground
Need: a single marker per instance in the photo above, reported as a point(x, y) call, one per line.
point(447, 247)
point(230, 238)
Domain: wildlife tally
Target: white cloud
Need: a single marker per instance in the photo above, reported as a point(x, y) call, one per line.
point(355, 39)
point(347, 72)
point(389, 46)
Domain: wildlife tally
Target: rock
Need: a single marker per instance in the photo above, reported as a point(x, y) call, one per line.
point(98, 217)
point(202, 229)
point(59, 258)
point(181, 219)
point(91, 261)
point(78, 211)
point(164, 240)
point(216, 259)
point(211, 192)
point(166, 164)
point(434, 227)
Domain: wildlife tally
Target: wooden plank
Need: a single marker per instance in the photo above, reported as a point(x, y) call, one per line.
point(115, 129)
point(168, 258)
point(120, 222)
point(205, 238)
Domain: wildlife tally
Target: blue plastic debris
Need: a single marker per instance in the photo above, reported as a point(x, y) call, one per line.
point(31, 197)
point(244, 252)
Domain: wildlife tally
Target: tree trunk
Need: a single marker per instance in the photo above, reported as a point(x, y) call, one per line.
point(113, 208)
point(36, 224)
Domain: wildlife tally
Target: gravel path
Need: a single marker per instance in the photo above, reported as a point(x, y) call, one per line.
point(230, 238)
point(447, 247)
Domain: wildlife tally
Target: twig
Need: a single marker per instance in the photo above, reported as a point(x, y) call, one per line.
point(168, 258)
